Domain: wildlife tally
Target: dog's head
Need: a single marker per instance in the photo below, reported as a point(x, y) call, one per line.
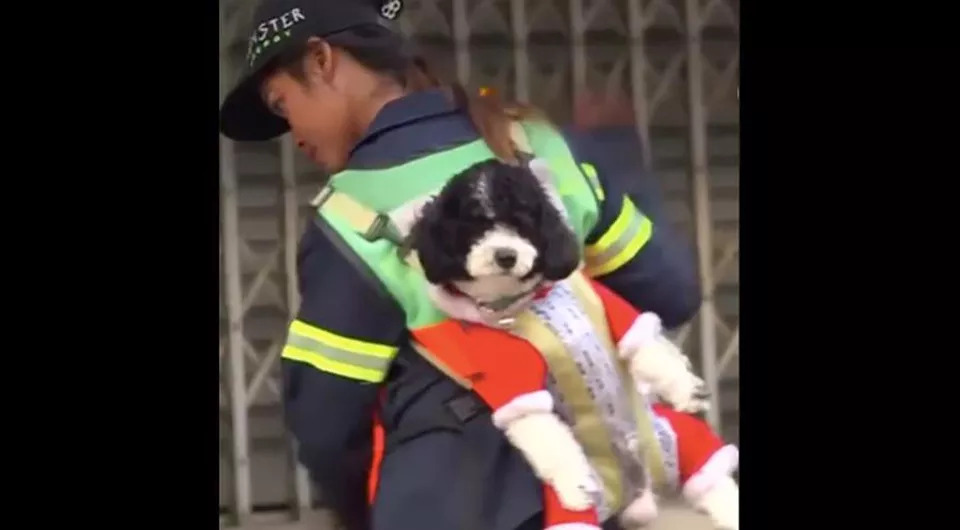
point(494, 234)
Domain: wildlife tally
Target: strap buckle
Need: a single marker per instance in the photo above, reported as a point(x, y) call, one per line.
point(465, 407)
point(321, 197)
point(379, 228)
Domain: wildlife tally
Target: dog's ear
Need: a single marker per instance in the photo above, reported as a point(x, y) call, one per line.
point(425, 237)
point(540, 169)
point(561, 254)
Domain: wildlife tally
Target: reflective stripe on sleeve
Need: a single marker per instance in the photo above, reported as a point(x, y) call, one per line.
point(594, 178)
point(328, 352)
point(622, 241)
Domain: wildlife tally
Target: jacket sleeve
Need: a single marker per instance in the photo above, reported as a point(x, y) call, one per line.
point(632, 249)
point(338, 350)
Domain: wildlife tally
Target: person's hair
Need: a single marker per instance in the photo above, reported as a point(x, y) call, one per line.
point(386, 52)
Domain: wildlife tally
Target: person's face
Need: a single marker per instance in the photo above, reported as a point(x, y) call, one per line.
point(315, 109)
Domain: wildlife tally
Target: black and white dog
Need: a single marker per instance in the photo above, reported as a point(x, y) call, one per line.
point(493, 237)
point(496, 236)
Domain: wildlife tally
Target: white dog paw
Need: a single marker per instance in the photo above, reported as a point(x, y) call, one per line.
point(576, 491)
point(672, 382)
point(640, 512)
point(688, 393)
point(726, 521)
point(722, 504)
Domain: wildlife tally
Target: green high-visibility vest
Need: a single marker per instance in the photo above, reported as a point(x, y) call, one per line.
point(358, 204)
point(361, 205)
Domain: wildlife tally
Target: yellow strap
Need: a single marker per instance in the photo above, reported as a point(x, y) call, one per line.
point(589, 427)
point(440, 365)
point(360, 218)
point(593, 307)
point(336, 354)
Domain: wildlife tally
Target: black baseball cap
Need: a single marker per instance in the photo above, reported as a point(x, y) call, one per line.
point(278, 25)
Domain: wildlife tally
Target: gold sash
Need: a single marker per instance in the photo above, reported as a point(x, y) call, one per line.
point(650, 447)
point(589, 426)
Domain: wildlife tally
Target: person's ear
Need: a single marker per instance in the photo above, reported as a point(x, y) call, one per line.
point(319, 60)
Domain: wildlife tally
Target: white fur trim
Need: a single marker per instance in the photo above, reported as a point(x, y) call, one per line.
point(520, 406)
point(644, 330)
point(573, 526)
point(721, 465)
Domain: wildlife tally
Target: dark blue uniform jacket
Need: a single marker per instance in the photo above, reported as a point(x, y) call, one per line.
point(446, 466)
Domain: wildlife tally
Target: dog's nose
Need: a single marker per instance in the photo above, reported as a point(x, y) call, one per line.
point(506, 258)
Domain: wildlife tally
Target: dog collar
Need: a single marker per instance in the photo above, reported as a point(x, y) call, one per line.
point(507, 301)
point(538, 291)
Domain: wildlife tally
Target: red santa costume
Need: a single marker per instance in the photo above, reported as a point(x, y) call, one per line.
point(510, 375)
point(698, 464)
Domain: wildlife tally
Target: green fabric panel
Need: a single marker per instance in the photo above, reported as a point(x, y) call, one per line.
point(406, 284)
point(572, 184)
point(387, 189)
point(384, 190)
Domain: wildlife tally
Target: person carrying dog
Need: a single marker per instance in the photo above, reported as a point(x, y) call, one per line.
point(362, 107)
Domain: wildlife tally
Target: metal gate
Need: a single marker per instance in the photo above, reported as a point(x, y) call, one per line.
point(676, 60)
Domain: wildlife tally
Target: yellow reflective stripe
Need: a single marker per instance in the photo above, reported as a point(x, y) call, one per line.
point(333, 367)
point(627, 214)
point(328, 352)
point(594, 179)
point(342, 343)
point(623, 240)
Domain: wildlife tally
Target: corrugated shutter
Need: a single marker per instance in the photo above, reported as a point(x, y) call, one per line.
point(551, 69)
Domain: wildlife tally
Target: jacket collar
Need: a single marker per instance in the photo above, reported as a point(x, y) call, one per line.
point(407, 109)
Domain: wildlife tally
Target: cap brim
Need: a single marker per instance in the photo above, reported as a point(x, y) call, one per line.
point(245, 117)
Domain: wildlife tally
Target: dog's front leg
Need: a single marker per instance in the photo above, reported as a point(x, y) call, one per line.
point(550, 448)
point(721, 503)
point(655, 361)
point(713, 491)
